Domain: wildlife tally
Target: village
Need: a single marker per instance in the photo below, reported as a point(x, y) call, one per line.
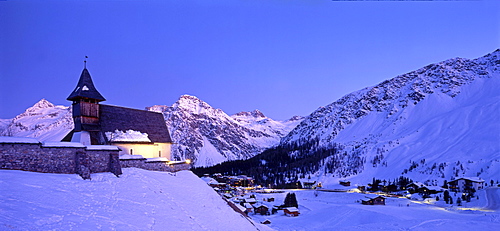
point(269, 205)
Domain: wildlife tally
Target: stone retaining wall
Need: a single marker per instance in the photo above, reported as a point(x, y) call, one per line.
point(66, 157)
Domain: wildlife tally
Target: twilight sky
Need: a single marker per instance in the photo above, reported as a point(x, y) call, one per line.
point(283, 57)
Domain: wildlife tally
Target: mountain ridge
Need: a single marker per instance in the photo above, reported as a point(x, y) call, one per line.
point(437, 122)
point(221, 136)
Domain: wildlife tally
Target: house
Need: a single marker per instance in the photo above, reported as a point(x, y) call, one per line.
point(345, 183)
point(308, 184)
point(135, 132)
point(266, 222)
point(465, 184)
point(250, 200)
point(248, 207)
point(261, 209)
point(380, 200)
point(417, 187)
point(291, 211)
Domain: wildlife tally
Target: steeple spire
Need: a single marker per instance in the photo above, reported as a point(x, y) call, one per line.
point(85, 89)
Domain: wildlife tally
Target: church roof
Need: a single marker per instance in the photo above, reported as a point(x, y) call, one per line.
point(85, 88)
point(114, 118)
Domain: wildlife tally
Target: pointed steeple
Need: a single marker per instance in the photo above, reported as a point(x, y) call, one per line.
point(85, 89)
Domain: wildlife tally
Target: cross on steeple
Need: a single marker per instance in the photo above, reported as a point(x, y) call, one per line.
point(85, 62)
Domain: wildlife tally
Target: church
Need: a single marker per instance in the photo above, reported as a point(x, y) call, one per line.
point(135, 132)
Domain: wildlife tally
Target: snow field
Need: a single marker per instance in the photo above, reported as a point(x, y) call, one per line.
point(342, 211)
point(138, 200)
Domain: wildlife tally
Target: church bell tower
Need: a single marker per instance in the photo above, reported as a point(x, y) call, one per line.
point(85, 107)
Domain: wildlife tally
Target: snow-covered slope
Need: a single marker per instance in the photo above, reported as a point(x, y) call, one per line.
point(440, 121)
point(209, 136)
point(43, 121)
point(137, 200)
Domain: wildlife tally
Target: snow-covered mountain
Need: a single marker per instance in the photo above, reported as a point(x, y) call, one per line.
point(204, 134)
point(440, 121)
point(43, 121)
point(209, 136)
point(433, 124)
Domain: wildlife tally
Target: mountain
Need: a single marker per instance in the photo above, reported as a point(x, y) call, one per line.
point(435, 123)
point(209, 136)
point(201, 133)
point(43, 121)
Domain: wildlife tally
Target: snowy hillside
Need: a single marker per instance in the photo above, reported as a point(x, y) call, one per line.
point(433, 124)
point(43, 121)
point(440, 121)
point(137, 200)
point(210, 136)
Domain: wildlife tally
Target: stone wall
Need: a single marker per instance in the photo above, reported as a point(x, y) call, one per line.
point(59, 157)
point(67, 157)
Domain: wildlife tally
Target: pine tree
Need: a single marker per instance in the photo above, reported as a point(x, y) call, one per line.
point(290, 200)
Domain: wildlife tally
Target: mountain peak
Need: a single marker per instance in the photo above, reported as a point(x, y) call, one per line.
point(255, 113)
point(43, 103)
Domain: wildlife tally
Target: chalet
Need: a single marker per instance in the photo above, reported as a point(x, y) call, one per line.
point(308, 184)
point(135, 132)
point(416, 187)
point(345, 183)
point(261, 209)
point(266, 222)
point(291, 211)
point(248, 207)
point(250, 200)
point(380, 200)
point(465, 184)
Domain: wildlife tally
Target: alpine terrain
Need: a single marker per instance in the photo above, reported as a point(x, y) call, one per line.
point(438, 122)
point(209, 136)
point(201, 133)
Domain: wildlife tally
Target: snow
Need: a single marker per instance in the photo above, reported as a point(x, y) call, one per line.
point(102, 147)
point(208, 155)
point(343, 211)
point(23, 140)
point(127, 136)
point(453, 131)
point(63, 144)
point(157, 159)
point(43, 121)
point(131, 157)
point(137, 200)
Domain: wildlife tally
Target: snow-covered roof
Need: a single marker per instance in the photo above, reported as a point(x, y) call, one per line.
point(250, 200)
point(157, 159)
point(123, 119)
point(102, 147)
point(419, 184)
point(63, 145)
point(241, 208)
point(127, 136)
point(131, 157)
point(292, 209)
point(18, 140)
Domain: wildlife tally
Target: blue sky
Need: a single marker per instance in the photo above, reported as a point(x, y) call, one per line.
point(283, 57)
